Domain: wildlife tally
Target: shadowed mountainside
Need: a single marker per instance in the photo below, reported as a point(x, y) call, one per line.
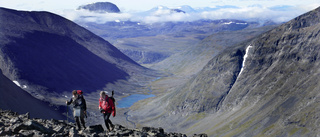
point(50, 53)
point(15, 99)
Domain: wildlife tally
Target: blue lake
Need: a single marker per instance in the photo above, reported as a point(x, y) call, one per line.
point(130, 100)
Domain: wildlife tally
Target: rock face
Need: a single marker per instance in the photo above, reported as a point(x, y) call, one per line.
point(13, 124)
point(101, 7)
point(207, 90)
point(177, 11)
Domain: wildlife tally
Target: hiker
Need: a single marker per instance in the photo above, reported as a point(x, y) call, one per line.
point(79, 107)
point(106, 106)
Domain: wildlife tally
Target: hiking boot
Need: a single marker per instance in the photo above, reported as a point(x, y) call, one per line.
point(110, 133)
point(112, 127)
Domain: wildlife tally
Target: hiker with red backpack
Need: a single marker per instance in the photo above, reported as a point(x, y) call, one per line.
point(79, 107)
point(107, 107)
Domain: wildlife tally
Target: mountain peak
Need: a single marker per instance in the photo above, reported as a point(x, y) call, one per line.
point(101, 7)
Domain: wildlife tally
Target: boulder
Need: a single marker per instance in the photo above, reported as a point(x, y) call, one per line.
point(12, 124)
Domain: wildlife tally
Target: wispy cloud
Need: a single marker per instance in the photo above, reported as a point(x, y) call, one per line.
point(87, 16)
point(163, 14)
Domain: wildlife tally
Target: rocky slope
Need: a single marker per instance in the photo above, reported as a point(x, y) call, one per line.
point(276, 93)
point(13, 124)
point(193, 59)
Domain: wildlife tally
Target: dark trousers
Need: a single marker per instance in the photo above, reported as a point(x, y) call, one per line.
point(107, 120)
point(78, 122)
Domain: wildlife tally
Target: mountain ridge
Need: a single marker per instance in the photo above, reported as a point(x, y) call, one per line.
point(60, 51)
point(277, 79)
point(276, 94)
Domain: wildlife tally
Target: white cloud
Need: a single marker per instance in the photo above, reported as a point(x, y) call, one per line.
point(168, 17)
point(277, 14)
point(87, 16)
point(248, 13)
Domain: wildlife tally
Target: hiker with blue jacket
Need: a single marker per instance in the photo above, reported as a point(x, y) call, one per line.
point(79, 107)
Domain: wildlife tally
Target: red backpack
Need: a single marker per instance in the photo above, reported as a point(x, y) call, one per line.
point(79, 92)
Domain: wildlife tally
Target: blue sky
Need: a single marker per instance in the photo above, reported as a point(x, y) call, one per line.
point(128, 5)
point(276, 10)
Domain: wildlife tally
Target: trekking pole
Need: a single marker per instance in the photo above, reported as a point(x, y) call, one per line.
point(67, 114)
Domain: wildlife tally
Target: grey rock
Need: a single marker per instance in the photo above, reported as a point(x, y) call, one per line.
point(21, 125)
point(58, 128)
point(73, 132)
point(37, 126)
point(95, 129)
point(200, 135)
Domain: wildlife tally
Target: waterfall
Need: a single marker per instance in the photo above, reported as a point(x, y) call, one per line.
point(244, 58)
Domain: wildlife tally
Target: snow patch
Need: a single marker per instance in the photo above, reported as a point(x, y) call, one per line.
point(242, 23)
point(228, 23)
point(18, 84)
point(244, 58)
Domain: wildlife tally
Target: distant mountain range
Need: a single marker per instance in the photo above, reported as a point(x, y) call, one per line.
point(276, 93)
point(126, 35)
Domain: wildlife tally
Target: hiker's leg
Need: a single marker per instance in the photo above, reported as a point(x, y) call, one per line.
point(112, 126)
point(110, 123)
point(107, 120)
point(82, 122)
point(77, 122)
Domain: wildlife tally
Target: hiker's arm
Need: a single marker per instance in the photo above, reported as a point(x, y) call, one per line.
point(84, 104)
point(69, 102)
point(99, 104)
